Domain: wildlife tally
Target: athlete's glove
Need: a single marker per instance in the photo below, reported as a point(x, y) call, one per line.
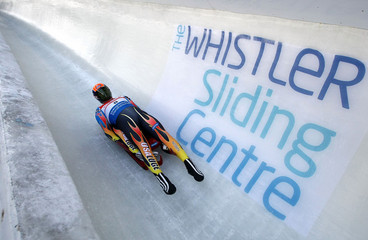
point(113, 137)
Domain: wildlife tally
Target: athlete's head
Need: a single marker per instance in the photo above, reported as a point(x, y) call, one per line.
point(101, 92)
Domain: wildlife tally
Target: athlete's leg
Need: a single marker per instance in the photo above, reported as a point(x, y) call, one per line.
point(135, 135)
point(128, 124)
point(152, 125)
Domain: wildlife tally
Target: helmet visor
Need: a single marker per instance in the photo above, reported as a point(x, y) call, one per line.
point(102, 93)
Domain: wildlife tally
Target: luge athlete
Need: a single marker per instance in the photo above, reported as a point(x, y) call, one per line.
point(122, 120)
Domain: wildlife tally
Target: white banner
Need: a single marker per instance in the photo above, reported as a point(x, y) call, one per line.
point(280, 121)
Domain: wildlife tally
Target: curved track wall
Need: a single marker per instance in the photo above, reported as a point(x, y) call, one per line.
point(276, 106)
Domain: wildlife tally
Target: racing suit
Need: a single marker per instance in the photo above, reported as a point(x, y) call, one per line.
point(121, 119)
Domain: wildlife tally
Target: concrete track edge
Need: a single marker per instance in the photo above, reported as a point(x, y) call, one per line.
point(38, 199)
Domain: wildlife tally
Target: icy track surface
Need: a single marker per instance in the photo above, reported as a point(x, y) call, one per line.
point(122, 200)
point(38, 199)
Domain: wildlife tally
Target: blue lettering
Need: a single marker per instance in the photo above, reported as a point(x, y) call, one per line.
point(248, 155)
point(177, 43)
point(207, 136)
point(327, 136)
point(234, 149)
point(261, 50)
point(227, 48)
point(194, 42)
point(224, 83)
point(253, 99)
point(193, 112)
point(288, 129)
point(262, 168)
point(208, 87)
point(296, 67)
point(342, 84)
point(261, 112)
point(209, 44)
point(274, 64)
point(199, 138)
point(272, 189)
point(229, 96)
point(239, 51)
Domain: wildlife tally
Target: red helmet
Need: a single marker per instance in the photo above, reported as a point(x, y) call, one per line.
point(101, 92)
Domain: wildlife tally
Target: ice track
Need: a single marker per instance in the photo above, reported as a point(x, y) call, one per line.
point(122, 200)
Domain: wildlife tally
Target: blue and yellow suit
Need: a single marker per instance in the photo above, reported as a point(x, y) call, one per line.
point(121, 119)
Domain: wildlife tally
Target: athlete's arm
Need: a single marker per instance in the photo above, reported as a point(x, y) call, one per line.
point(131, 101)
point(102, 121)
